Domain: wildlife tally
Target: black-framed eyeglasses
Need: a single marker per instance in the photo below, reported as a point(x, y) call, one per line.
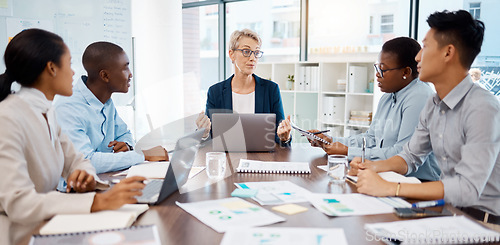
point(247, 52)
point(381, 72)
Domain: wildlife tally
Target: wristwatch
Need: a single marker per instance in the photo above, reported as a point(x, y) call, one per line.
point(129, 146)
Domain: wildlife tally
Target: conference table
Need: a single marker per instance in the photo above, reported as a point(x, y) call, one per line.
point(176, 226)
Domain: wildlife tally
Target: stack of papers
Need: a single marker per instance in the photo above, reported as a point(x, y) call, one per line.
point(441, 230)
point(111, 219)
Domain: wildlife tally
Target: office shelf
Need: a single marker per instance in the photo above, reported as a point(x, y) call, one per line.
point(342, 86)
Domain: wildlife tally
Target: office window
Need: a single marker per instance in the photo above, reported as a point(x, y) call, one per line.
point(277, 22)
point(475, 10)
point(200, 59)
point(387, 23)
point(354, 26)
point(488, 61)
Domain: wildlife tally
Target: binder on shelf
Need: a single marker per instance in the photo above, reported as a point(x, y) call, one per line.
point(314, 78)
point(338, 109)
point(147, 234)
point(299, 84)
point(358, 79)
point(307, 78)
point(325, 108)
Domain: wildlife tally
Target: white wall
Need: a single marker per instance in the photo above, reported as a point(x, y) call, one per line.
point(157, 33)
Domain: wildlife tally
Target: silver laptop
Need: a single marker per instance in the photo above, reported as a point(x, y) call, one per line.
point(243, 132)
point(157, 190)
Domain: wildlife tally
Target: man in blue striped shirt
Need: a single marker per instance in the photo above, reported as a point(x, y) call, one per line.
point(460, 125)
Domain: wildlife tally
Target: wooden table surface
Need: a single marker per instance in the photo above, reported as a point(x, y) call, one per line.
point(176, 226)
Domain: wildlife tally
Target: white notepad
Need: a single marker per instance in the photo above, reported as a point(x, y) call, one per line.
point(253, 166)
point(112, 219)
point(391, 177)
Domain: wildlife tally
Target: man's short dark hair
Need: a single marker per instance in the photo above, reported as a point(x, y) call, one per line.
point(461, 30)
point(99, 55)
point(405, 49)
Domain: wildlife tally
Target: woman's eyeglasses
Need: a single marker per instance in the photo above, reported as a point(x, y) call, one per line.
point(247, 52)
point(379, 70)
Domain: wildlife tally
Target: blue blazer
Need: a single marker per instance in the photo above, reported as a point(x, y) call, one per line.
point(267, 99)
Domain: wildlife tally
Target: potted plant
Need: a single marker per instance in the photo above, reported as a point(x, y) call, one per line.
point(290, 82)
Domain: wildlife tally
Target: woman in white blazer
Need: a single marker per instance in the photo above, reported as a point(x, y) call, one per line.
point(34, 154)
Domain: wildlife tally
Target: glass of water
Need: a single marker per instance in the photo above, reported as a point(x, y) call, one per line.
point(337, 168)
point(216, 164)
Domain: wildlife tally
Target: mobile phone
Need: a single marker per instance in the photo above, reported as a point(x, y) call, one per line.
point(416, 213)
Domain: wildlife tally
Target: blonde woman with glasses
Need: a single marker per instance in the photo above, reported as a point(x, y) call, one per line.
point(245, 92)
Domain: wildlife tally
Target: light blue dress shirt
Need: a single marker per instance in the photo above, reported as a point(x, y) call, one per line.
point(392, 126)
point(463, 131)
point(91, 125)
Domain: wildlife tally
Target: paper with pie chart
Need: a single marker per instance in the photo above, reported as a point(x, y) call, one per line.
point(285, 236)
point(228, 213)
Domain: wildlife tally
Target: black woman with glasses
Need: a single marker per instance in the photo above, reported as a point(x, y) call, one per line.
point(397, 112)
point(245, 92)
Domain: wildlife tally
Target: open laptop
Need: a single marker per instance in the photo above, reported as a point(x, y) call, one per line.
point(157, 190)
point(243, 132)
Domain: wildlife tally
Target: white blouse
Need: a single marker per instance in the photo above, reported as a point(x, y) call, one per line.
point(244, 103)
point(32, 160)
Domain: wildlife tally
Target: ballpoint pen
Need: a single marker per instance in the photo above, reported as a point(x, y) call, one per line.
point(320, 132)
point(435, 203)
point(363, 150)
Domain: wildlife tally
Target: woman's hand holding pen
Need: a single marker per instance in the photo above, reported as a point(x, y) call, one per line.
point(370, 183)
point(356, 165)
point(80, 181)
point(122, 193)
point(334, 148)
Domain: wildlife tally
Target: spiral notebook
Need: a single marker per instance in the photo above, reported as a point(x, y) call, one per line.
point(131, 235)
point(109, 219)
point(253, 166)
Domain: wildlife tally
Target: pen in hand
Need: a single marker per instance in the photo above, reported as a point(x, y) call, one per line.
point(363, 150)
point(320, 132)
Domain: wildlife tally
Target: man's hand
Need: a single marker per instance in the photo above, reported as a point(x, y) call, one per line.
point(284, 129)
point(122, 193)
point(155, 154)
point(80, 181)
point(118, 146)
point(203, 122)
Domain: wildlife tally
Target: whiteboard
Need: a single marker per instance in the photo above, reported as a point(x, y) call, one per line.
point(78, 22)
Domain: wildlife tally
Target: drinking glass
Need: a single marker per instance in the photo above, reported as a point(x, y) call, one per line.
point(216, 164)
point(337, 168)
